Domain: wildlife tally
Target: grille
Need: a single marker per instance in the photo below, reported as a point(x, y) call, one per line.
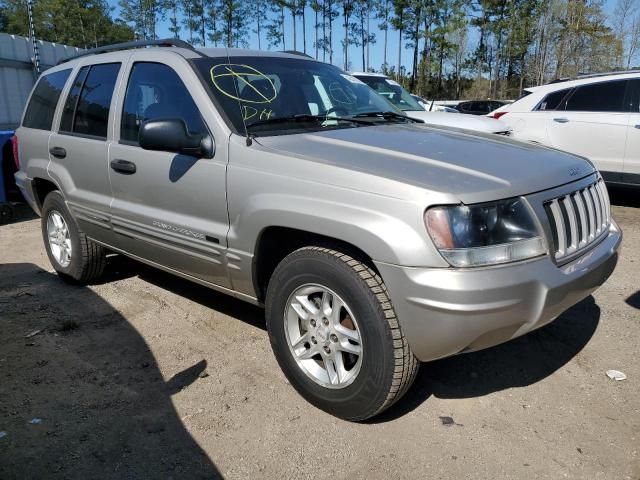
point(579, 219)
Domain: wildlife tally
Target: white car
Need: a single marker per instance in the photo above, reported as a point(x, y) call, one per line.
point(596, 116)
point(403, 100)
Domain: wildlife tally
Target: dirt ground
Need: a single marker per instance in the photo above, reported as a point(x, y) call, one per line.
point(148, 376)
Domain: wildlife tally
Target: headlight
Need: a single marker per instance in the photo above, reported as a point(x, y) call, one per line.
point(485, 233)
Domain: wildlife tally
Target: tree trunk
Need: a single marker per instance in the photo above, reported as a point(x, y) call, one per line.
point(363, 41)
point(368, 37)
point(331, 32)
point(414, 68)
point(293, 20)
point(399, 52)
point(304, 30)
point(386, 31)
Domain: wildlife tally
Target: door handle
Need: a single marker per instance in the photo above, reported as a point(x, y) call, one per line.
point(637, 126)
point(561, 120)
point(58, 152)
point(123, 166)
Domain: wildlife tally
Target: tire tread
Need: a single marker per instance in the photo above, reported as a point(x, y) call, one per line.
point(406, 364)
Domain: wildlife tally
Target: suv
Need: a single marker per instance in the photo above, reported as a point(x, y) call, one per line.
point(372, 241)
point(395, 94)
point(596, 116)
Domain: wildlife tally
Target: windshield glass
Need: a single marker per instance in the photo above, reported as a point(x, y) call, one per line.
point(261, 93)
point(393, 92)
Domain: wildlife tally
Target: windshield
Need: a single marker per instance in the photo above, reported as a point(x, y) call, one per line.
point(260, 94)
point(393, 92)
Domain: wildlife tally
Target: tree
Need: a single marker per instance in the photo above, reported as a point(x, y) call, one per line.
point(275, 27)
point(64, 22)
point(626, 21)
point(143, 15)
point(261, 9)
point(383, 12)
point(348, 7)
point(174, 25)
point(399, 23)
point(235, 17)
point(363, 12)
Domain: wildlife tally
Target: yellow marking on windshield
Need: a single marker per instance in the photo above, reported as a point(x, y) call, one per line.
point(237, 71)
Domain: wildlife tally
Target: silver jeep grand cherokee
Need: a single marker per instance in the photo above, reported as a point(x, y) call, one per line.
point(372, 240)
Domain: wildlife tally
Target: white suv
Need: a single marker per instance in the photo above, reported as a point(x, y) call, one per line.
point(596, 116)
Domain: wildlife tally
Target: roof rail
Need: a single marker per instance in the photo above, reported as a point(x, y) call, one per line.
point(296, 52)
point(581, 76)
point(166, 42)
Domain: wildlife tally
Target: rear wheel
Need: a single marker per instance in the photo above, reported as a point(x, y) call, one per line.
point(335, 334)
point(74, 256)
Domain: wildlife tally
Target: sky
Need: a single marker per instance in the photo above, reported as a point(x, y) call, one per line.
point(376, 54)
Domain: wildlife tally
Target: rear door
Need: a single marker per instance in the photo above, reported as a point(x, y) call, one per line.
point(631, 172)
point(172, 210)
point(38, 121)
point(594, 124)
point(78, 148)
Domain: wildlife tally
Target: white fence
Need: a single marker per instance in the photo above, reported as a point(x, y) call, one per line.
point(17, 73)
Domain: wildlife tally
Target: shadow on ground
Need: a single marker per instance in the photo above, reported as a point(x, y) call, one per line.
point(120, 267)
point(22, 213)
point(521, 362)
point(105, 409)
point(634, 300)
point(518, 363)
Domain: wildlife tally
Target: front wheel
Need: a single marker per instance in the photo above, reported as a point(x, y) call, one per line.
point(335, 334)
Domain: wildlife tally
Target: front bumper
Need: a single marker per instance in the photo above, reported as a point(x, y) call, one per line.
point(446, 311)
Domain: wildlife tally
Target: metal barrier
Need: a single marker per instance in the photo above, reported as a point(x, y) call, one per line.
point(17, 73)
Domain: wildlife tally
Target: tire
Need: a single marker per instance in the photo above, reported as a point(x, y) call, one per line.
point(387, 366)
point(87, 259)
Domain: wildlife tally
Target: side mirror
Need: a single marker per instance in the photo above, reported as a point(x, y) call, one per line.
point(172, 135)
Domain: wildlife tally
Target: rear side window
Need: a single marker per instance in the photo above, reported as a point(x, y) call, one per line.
point(42, 105)
point(553, 101)
point(86, 110)
point(155, 91)
point(599, 97)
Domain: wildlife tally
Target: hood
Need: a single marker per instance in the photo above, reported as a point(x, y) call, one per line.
point(467, 122)
point(473, 167)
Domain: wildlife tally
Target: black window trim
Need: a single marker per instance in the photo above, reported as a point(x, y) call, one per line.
point(565, 100)
point(75, 107)
point(133, 143)
point(55, 109)
point(569, 91)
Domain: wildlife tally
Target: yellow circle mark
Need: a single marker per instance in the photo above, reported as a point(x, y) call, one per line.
point(237, 71)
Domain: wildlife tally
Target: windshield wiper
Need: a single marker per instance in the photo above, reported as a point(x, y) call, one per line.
point(305, 117)
point(388, 115)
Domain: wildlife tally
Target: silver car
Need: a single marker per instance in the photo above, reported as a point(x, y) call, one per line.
point(372, 240)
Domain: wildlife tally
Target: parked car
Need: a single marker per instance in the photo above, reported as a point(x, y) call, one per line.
point(402, 99)
point(373, 241)
point(596, 116)
point(479, 107)
point(432, 106)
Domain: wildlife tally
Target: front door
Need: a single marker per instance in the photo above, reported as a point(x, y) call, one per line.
point(167, 208)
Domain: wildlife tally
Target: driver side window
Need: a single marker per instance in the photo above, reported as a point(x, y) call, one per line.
point(155, 92)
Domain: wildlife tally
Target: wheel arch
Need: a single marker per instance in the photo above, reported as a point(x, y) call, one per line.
point(41, 188)
point(274, 243)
